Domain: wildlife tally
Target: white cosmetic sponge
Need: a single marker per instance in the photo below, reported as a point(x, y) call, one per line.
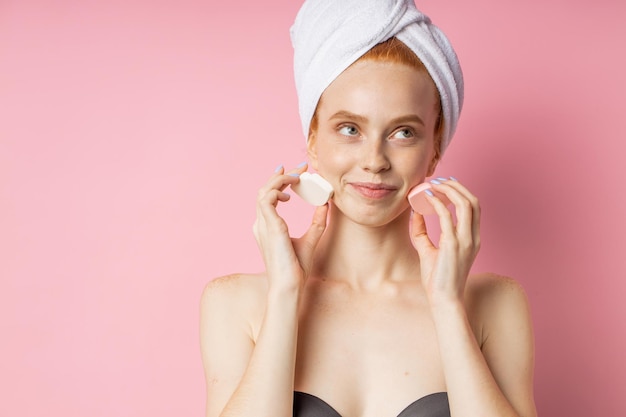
point(313, 189)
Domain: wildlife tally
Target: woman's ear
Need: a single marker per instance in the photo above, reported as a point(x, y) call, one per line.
point(436, 156)
point(431, 168)
point(433, 164)
point(311, 151)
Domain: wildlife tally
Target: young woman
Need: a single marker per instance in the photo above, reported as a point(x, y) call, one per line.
point(363, 315)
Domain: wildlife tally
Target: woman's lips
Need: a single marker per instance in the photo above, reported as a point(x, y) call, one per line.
point(373, 190)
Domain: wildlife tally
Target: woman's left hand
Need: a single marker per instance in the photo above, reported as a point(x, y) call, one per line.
point(445, 269)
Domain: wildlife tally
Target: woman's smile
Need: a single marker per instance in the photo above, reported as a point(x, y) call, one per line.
point(375, 191)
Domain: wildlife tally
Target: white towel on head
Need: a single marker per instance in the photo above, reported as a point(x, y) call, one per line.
point(329, 35)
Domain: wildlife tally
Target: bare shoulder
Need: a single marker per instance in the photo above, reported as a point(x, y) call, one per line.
point(233, 297)
point(488, 290)
point(494, 300)
point(246, 286)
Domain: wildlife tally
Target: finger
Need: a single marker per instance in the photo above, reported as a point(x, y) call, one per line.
point(446, 222)
point(419, 236)
point(279, 169)
point(270, 195)
point(299, 169)
point(279, 182)
point(462, 208)
point(272, 192)
point(268, 202)
point(472, 219)
point(306, 244)
point(318, 224)
point(280, 179)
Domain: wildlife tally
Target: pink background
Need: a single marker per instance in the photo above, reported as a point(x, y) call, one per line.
point(133, 137)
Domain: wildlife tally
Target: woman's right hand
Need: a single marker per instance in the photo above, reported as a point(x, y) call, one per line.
point(288, 261)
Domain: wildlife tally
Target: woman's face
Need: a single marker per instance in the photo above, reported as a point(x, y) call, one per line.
point(375, 138)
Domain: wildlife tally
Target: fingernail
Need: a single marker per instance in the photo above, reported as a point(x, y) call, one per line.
point(430, 193)
point(442, 179)
point(278, 168)
point(453, 179)
point(294, 174)
point(435, 182)
point(300, 165)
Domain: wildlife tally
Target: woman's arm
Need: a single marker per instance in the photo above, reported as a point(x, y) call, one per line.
point(248, 376)
point(244, 378)
point(497, 380)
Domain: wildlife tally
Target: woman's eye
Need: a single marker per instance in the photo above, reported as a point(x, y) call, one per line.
point(403, 134)
point(348, 131)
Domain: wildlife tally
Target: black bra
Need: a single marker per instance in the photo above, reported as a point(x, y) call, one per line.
point(432, 405)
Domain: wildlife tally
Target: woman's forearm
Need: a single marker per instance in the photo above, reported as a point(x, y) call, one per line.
point(266, 388)
point(472, 389)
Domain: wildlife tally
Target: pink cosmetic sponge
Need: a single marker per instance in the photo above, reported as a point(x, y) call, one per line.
point(418, 200)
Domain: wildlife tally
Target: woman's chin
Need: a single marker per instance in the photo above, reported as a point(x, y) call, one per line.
point(370, 215)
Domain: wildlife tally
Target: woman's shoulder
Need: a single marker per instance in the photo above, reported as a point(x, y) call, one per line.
point(488, 284)
point(491, 297)
point(236, 289)
point(235, 296)
point(236, 284)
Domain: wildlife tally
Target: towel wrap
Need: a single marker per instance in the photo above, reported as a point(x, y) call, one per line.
point(330, 35)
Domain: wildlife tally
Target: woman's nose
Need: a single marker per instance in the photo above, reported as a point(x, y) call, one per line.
point(373, 157)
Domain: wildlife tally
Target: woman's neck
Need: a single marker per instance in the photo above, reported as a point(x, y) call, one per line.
point(366, 257)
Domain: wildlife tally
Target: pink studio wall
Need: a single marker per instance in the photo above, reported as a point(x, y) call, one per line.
point(133, 137)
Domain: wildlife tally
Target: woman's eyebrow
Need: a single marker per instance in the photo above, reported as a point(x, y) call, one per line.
point(409, 118)
point(343, 114)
